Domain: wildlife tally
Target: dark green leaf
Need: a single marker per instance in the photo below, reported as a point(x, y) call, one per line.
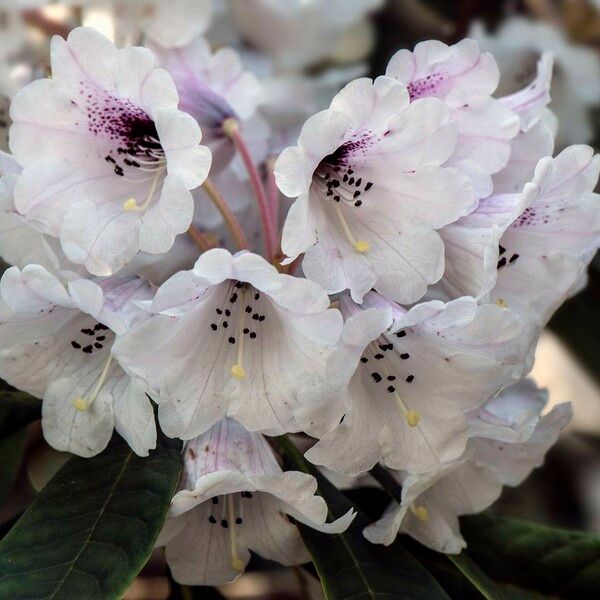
point(17, 409)
point(11, 456)
point(93, 527)
point(351, 567)
point(555, 562)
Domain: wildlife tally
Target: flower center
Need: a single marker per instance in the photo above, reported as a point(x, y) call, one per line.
point(231, 516)
point(241, 303)
point(337, 180)
point(380, 375)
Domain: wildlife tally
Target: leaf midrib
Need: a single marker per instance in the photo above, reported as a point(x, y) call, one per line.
point(73, 562)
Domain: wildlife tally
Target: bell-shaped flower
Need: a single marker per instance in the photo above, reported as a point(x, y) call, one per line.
point(232, 337)
point(548, 233)
point(55, 343)
point(509, 439)
point(553, 239)
point(371, 191)
point(464, 78)
point(234, 498)
point(215, 87)
point(398, 387)
point(109, 160)
point(519, 42)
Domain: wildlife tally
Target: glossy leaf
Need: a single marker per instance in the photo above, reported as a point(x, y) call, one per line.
point(351, 567)
point(555, 562)
point(92, 527)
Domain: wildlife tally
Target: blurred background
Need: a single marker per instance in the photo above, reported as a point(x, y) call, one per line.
point(296, 39)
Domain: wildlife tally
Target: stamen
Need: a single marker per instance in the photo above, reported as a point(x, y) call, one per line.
point(501, 303)
point(361, 246)
point(236, 562)
point(82, 404)
point(420, 512)
point(238, 370)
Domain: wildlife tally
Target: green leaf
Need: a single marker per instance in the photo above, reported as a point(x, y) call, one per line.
point(11, 457)
point(486, 587)
point(555, 562)
point(93, 527)
point(351, 567)
point(17, 409)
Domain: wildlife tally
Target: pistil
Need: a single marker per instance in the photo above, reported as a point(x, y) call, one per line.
point(81, 403)
point(420, 512)
point(361, 246)
point(236, 562)
point(131, 203)
point(238, 370)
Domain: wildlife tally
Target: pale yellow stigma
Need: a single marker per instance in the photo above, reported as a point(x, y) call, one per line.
point(502, 303)
point(412, 418)
point(238, 371)
point(230, 127)
point(361, 246)
point(420, 512)
point(80, 404)
point(130, 204)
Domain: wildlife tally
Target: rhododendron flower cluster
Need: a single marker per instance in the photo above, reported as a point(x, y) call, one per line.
point(377, 287)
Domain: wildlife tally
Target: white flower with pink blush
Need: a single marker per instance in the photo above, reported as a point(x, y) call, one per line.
point(371, 191)
point(395, 388)
point(508, 439)
point(464, 78)
point(232, 337)
point(56, 342)
point(215, 87)
point(109, 160)
point(234, 498)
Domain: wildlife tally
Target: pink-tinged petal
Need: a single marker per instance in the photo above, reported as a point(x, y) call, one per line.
point(452, 73)
point(531, 102)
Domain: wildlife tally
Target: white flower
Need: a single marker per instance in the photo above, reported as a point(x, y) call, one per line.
point(171, 24)
point(21, 244)
point(298, 33)
point(371, 192)
point(108, 159)
point(403, 380)
point(213, 88)
point(235, 498)
point(55, 343)
point(548, 234)
point(232, 337)
point(464, 78)
point(554, 237)
point(509, 439)
point(518, 44)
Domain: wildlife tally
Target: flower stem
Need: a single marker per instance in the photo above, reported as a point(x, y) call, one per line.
point(199, 238)
point(232, 131)
point(230, 219)
point(273, 198)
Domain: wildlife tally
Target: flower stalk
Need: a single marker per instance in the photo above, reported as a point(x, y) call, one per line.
point(232, 131)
